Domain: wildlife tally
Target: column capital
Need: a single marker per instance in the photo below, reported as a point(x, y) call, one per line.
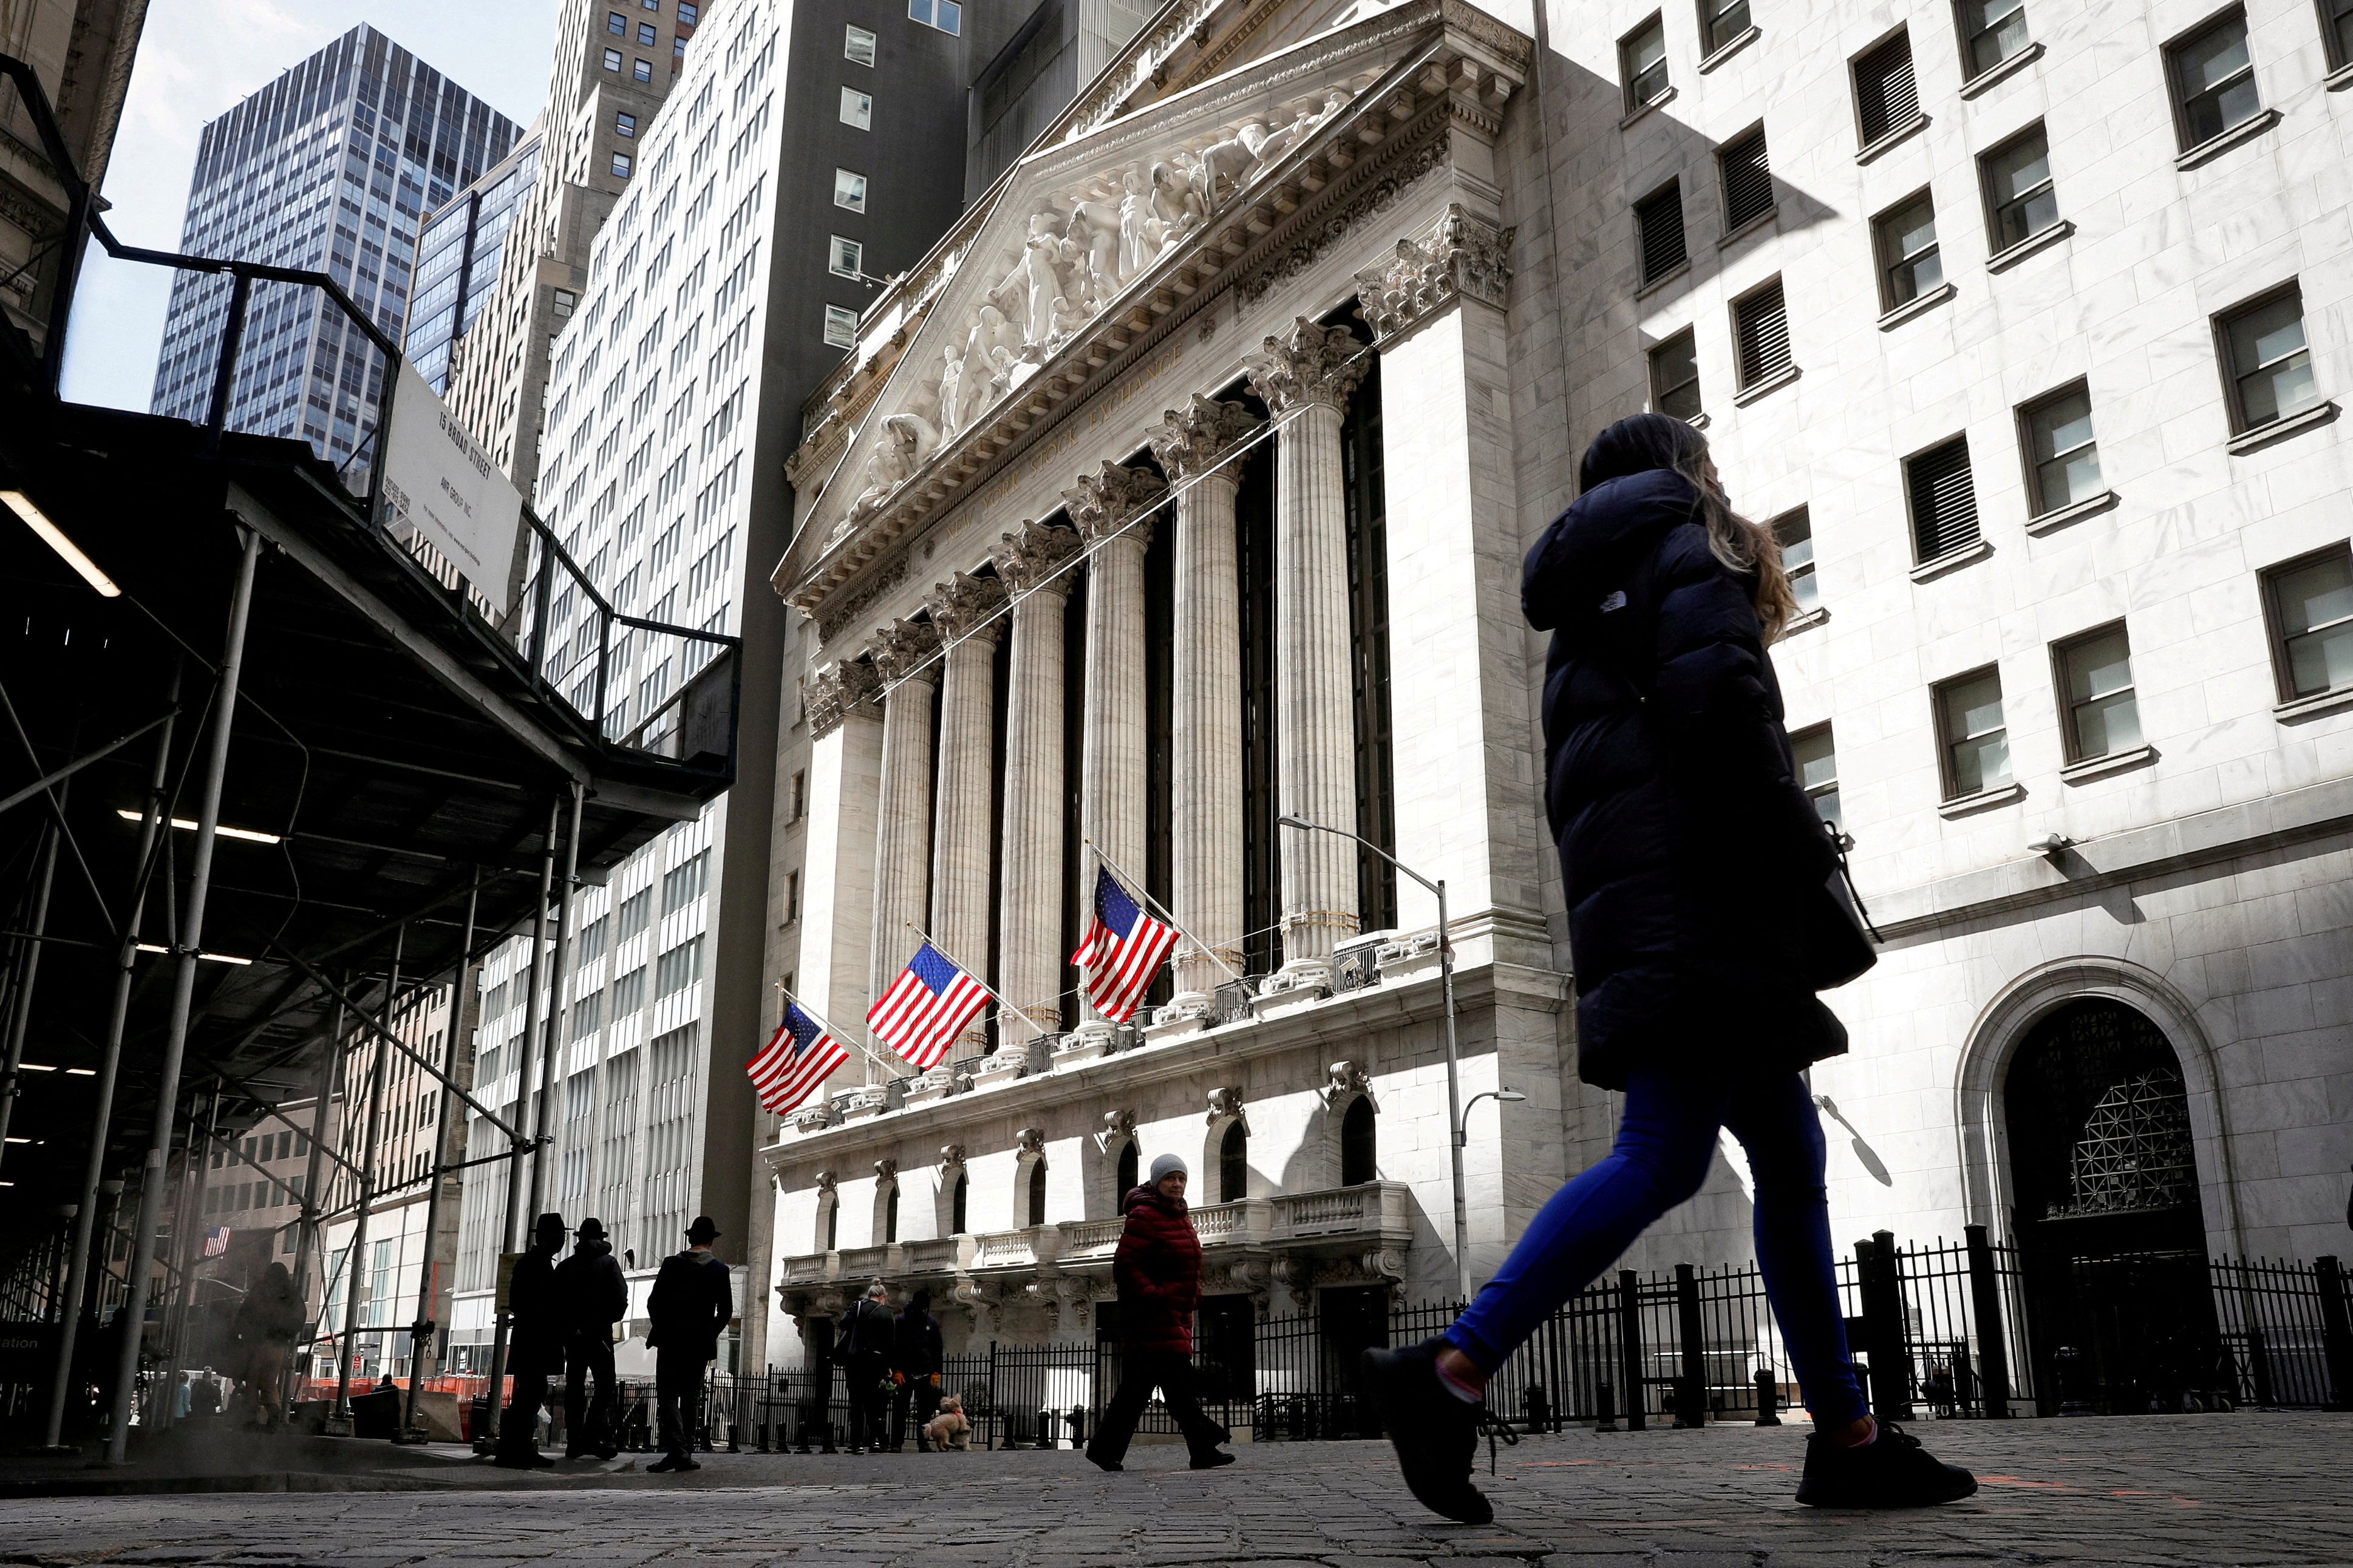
point(1462, 257)
point(1306, 364)
point(966, 607)
point(837, 692)
point(1101, 502)
point(1031, 553)
point(1191, 439)
point(902, 651)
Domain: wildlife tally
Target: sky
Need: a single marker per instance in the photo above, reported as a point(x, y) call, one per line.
point(197, 58)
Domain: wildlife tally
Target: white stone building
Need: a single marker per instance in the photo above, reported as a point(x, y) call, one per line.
point(2023, 323)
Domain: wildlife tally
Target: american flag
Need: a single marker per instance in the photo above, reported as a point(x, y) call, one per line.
point(796, 1059)
point(216, 1241)
point(1122, 950)
point(926, 1008)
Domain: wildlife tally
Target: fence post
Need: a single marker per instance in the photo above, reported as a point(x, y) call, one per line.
point(1994, 1341)
point(1882, 1326)
point(2335, 1332)
point(1629, 1349)
point(1691, 1388)
point(992, 1393)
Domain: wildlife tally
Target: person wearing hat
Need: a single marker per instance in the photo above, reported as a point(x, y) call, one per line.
point(534, 1344)
point(691, 1305)
point(1158, 1268)
point(593, 1296)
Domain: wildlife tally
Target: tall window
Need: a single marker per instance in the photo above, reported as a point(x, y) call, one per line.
point(1262, 837)
point(1659, 225)
point(856, 109)
point(956, 1225)
point(2213, 79)
point(1234, 1165)
point(2310, 602)
point(1816, 761)
point(1366, 496)
point(1944, 500)
point(1976, 740)
point(1910, 263)
point(1795, 532)
point(2337, 22)
point(2103, 718)
point(1747, 169)
point(1643, 63)
point(1760, 335)
point(890, 1214)
point(1036, 1204)
point(1886, 93)
point(849, 190)
point(1991, 32)
point(2020, 201)
point(1357, 1144)
point(2062, 460)
point(832, 1225)
point(947, 16)
point(1126, 1179)
point(1720, 23)
point(2268, 361)
point(840, 326)
point(1674, 376)
point(858, 45)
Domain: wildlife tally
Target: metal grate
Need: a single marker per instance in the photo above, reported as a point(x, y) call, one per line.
point(1760, 330)
point(1886, 95)
point(1747, 180)
point(1944, 500)
point(1658, 220)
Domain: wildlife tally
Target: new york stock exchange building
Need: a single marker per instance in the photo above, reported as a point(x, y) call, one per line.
point(1183, 488)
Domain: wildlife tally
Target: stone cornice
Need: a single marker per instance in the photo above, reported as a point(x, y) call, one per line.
point(1191, 439)
point(837, 691)
point(1463, 257)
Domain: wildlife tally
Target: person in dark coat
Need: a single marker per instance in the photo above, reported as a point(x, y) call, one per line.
point(917, 1354)
point(690, 1308)
point(1158, 1268)
point(594, 1297)
point(1695, 871)
point(535, 1334)
point(866, 1344)
point(267, 1323)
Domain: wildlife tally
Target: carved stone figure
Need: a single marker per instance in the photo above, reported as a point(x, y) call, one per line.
point(991, 336)
point(1030, 1141)
point(1095, 229)
point(1175, 204)
point(1226, 165)
point(1135, 250)
point(914, 438)
point(1036, 281)
point(950, 396)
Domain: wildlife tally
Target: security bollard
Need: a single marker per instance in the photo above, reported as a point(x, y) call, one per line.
point(1768, 1398)
point(1604, 1410)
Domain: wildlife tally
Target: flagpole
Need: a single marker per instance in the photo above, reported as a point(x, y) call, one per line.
point(1205, 950)
point(838, 1033)
point(1003, 1006)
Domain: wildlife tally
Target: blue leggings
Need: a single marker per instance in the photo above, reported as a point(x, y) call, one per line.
point(1666, 1138)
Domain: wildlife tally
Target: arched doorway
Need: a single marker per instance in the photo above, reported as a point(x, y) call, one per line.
point(2104, 1177)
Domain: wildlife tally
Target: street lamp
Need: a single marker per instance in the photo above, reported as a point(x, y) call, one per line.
point(1454, 1107)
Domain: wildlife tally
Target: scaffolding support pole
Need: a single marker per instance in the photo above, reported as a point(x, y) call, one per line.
point(338, 1420)
point(188, 1240)
point(307, 1238)
point(184, 995)
point(420, 1332)
point(542, 1167)
point(28, 970)
point(109, 1060)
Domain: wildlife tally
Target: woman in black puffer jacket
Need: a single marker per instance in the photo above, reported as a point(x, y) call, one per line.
point(1695, 871)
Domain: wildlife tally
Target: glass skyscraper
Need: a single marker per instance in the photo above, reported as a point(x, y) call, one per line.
point(457, 261)
point(331, 167)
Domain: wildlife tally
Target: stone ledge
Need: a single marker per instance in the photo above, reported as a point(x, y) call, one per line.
point(2058, 517)
point(1952, 560)
point(1680, 269)
point(2215, 146)
point(2280, 429)
point(1982, 800)
point(2312, 706)
point(1766, 387)
point(2101, 767)
point(1635, 115)
point(2003, 260)
point(1992, 75)
point(1919, 305)
point(1761, 220)
point(1730, 48)
point(1902, 133)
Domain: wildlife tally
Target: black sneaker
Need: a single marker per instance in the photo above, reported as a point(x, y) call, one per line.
point(1891, 1471)
point(1102, 1464)
point(1436, 1435)
point(1211, 1461)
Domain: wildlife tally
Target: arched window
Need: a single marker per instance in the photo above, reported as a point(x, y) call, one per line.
point(1038, 1192)
point(956, 1218)
point(1356, 1166)
point(832, 1223)
point(891, 1215)
point(1234, 1165)
point(1128, 1178)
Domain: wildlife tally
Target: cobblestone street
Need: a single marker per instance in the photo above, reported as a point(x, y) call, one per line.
point(2248, 1488)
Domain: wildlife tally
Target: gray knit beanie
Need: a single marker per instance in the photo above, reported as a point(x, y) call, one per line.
point(1169, 1165)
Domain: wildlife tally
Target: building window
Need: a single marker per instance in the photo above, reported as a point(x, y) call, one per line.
point(798, 795)
point(1233, 1164)
point(1747, 180)
point(1886, 93)
point(2310, 604)
point(647, 37)
point(858, 45)
point(2337, 23)
point(956, 1225)
point(1126, 1178)
point(1643, 63)
point(1760, 335)
point(1976, 742)
point(2268, 362)
point(1721, 22)
point(832, 1225)
point(1910, 264)
point(2213, 79)
point(1991, 32)
point(947, 16)
point(688, 13)
point(1795, 532)
point(612, 60)
point(621, 165)
point(1037, 1193)
point(643, 71)
point(1817, 762)
point(2102, 718)
point(2020, 202)
point(846, 258)
point(856, 109)
point(1358, 1143)
point(625, 125)
point(841, 327)
point(792, 897)
point(1674, 376)
point(1944, 500)
point(617, 24)
point(2062, 460)
point(891, 1215)
point(564, 300)
point(1659, 224)
point(849, 190)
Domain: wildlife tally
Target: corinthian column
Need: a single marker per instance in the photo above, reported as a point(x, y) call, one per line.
point(837, 913)
point(965, 612)
point(1206, 724)
point(903, 847)
point(1029, 893)
point(1111, 764)
point(1305, 376)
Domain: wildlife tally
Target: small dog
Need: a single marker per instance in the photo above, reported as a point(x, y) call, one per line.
point(949, 1429)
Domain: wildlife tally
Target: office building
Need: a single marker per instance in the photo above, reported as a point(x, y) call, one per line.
point(458, 253)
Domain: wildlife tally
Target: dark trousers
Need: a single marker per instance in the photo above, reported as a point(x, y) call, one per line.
point(1141, 1370)
point(519, 1427)
point(867, 1374)
point(588, 1423)
point(677, 1396)
point(919, 1391)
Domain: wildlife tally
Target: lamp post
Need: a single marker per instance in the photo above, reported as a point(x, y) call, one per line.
point(1454, 1107)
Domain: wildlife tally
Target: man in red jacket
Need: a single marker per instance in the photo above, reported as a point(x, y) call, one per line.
point(1158, 1270)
